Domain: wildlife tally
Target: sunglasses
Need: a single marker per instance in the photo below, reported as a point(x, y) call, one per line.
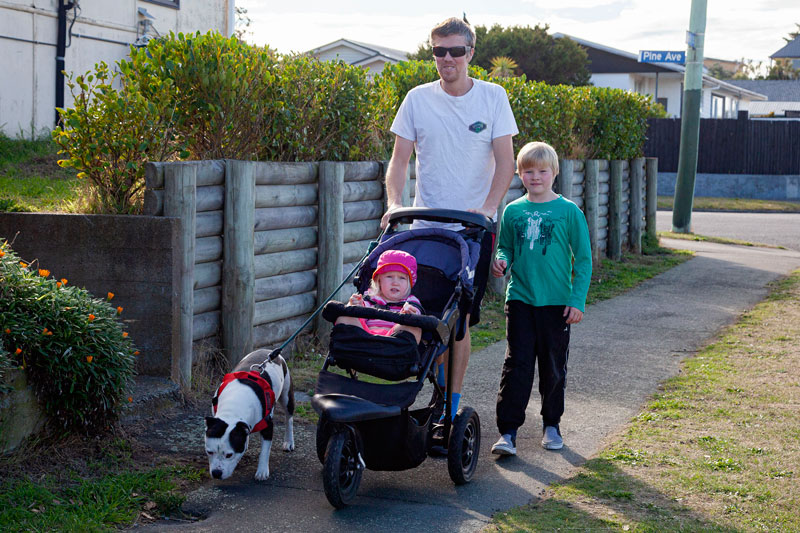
point(455, 51)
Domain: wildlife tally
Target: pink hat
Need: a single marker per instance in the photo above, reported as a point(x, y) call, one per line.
point(397, 261)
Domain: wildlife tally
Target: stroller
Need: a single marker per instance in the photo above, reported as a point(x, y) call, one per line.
point(371, 423)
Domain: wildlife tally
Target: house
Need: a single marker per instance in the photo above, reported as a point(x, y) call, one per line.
point(41, 38)
point(791, 52)
point(618, 69)
point(783, 97)
point(370, 56)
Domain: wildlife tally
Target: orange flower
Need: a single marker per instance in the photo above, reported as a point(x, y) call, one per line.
point(124, 333)
point(130, 400)
point(136, 352)
point(46, 331)
point(2, 253)
point(119, 310)
point(110, 295)
point(89, 358)
point(91, 317)
point(44, 272)
point(18, 351)
point(8, 330)
point(63, 281)
point(23, 264)
point(58, 284)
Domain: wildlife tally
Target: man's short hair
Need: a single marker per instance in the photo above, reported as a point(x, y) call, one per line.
point(535, 154)
point(454, 26)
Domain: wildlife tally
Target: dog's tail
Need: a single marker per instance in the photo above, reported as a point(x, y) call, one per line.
point(287, 377)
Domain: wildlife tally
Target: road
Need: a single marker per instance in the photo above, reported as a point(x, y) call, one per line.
point(777, 229)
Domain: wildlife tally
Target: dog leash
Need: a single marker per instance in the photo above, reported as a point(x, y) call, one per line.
point(277, 351)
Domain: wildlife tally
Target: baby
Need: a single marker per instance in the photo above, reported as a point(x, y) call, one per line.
point(390, 289)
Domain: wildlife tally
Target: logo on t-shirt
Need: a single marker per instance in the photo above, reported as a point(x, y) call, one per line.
point(477, 127)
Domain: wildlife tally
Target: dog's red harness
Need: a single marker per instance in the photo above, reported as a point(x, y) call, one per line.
point(260, 386)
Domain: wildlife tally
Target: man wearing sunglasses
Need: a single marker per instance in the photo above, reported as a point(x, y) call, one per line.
point(461, 130)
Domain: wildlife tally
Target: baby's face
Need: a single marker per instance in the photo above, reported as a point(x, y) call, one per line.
point(394, 286)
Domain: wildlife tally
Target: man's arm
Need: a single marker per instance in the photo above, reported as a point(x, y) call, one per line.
point(503, 150)
point(396, 176)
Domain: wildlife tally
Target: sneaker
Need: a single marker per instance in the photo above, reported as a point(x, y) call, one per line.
point(551, 438)
point(505, 446)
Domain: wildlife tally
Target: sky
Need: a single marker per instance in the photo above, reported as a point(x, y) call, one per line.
point(735, 29)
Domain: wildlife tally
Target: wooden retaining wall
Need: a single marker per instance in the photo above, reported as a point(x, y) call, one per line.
point(267, 243)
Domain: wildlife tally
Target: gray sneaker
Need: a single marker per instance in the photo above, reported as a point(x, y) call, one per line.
point(504, 446)
point(551, 438)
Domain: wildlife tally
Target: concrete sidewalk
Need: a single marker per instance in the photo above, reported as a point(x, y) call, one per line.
point(619, 354)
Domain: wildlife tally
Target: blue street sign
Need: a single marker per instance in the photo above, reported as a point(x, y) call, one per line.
point(657, 56)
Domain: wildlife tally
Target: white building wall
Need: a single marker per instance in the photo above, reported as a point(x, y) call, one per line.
point(343, 53)
point(613, 81)
point(27, 86)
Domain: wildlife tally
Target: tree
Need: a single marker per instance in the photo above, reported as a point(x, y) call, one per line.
point(503, 67)
point(540, 56)
point(793, 34)
point(782, 70)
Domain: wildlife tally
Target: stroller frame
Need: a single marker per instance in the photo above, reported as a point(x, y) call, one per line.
point(371, 425)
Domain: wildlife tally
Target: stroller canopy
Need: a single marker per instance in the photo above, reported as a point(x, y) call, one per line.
point(442, 249)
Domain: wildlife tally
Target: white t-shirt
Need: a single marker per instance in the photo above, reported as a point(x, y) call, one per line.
point(452, 137)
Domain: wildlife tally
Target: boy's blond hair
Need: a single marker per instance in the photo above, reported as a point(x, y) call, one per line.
point(537, 153)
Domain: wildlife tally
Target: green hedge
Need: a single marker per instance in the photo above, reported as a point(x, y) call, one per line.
point(71, 345)
point(210, 97)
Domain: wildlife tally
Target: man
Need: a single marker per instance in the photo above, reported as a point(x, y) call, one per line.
point(461, 129)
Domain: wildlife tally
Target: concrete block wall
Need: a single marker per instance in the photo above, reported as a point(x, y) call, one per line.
point(131, 256)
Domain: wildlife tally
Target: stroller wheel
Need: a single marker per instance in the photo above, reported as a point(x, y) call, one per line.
point(342, 468)
point(324, 430)
point(465, 445)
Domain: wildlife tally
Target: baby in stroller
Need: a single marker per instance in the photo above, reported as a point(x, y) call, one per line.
point(390, 289)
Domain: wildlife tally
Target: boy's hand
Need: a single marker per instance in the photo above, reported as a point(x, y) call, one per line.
point(572, 315)
point(356, 299)
point(499, 268)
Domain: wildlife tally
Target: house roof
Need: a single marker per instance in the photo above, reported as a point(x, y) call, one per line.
point(370, 51)
point(606, 59)
point(778, 108)
point(791, 50)
point(774, 90)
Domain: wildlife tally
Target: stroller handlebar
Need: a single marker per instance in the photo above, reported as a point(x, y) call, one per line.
point(334, 310)
point(468, 219)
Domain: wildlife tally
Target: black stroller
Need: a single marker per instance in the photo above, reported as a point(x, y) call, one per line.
point(369, 424)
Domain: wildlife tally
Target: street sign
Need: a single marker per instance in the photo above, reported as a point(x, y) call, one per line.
point(661, 56)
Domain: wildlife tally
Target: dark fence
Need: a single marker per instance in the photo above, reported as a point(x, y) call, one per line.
point(730, 146)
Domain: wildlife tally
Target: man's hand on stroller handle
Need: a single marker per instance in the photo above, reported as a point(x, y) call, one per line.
point(389, 209)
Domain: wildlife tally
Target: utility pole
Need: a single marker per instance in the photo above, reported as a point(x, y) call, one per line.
point(690, 120)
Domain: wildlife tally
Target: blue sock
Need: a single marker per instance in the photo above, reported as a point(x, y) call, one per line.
point(440, 377)
point(456, 397)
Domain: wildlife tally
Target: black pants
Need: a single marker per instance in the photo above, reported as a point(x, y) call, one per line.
point(534, 334)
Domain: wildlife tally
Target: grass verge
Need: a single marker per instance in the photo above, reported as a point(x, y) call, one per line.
point(716, 449)
point(31, 180)
point(706, 203)
point(719, 240)
point(98, 489)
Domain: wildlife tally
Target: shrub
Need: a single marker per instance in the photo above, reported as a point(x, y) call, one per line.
point(71, 345)
point(218, 90)
point(109, 134)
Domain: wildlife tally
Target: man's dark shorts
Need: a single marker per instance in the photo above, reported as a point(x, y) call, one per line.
point(482, 275)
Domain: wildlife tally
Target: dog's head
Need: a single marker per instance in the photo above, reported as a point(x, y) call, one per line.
point(225, 446)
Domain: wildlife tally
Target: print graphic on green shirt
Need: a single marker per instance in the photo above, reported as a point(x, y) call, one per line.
point(536, 227)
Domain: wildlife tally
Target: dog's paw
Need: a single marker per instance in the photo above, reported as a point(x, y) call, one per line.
point(288, 446)
point(262, 474)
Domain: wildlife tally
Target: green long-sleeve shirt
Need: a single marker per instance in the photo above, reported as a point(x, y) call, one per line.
point(545, 244)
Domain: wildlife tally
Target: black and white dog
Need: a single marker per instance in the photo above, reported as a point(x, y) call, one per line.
point(243, 404)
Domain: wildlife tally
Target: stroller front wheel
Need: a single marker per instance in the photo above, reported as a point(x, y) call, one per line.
point(465, 445)
point(342, 468)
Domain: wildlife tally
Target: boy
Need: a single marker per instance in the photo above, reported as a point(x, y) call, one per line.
point(544, 244)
